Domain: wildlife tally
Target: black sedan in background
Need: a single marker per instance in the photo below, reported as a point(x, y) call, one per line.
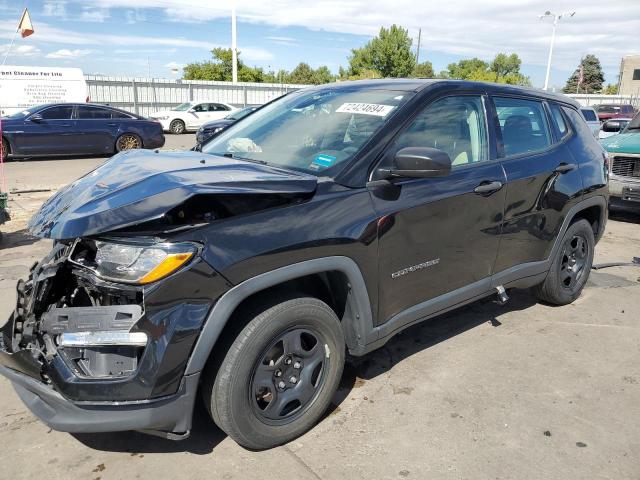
point(210, 129)
point(76, 129)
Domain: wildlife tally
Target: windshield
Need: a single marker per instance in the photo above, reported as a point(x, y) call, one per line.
point(182, 107)
point(635, 123)
point(243, 112)
point(607, 108)
point(314, 131)
point(22, 114)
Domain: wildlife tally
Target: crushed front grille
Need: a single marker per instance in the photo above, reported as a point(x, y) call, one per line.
point(626, 166)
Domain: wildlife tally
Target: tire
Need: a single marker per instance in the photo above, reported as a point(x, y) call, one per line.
point(256, 394)
point(5, 150)
point(571, 266)
point(128, 141)
point(177, 126)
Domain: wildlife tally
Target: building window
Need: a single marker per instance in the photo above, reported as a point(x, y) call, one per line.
point(636, 74)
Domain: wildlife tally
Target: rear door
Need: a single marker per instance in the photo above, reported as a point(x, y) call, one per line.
point(53, 134)
point(97, 129)
point(440, 235)
point(543, 179)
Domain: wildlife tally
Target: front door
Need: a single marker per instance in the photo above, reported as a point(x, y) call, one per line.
point(52, 134)
point(440, 236)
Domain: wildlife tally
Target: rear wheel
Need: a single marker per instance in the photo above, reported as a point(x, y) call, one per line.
point(177, 127)
point(278, 377)
point(128, 141)
point(571, 266)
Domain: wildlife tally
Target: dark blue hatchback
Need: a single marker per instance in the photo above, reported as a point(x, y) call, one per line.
point(76, 129)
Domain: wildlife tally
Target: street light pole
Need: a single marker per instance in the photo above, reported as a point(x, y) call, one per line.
point(556, 19)
point(234, 47)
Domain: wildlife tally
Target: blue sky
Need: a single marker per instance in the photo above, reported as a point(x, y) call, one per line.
point(111, 37)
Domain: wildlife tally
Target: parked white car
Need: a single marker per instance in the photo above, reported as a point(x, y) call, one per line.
point(591, 117)
point(190, 115)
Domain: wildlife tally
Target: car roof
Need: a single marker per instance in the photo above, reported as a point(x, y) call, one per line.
point(419, 84)
point(62, 104)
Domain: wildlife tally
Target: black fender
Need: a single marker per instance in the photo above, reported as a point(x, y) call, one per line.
point(357, 321)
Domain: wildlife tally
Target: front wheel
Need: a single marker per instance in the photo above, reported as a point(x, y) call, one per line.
point(177, 127)
point(571, 266)
point(279, 375)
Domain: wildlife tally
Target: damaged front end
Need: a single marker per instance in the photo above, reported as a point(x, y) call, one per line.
point(102, 332)
point(105, 324)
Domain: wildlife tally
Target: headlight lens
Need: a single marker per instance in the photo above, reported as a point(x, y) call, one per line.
point(139, 264)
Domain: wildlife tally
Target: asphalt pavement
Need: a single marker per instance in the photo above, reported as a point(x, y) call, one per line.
point(521, 391)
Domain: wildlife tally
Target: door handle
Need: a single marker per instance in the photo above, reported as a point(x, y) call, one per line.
point(565, 167)
point(488, 187)
point(65, 124)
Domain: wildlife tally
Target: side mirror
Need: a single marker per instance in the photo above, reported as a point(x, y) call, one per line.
point(191, 110)
point(419, 162)
point(611, 126)
point(36, 117)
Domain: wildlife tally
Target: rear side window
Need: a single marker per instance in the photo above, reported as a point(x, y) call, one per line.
point(589, 115)
point(558, 119)
point(523, 124)
point(62, 112)
point(93, 113)
point(216, 107)
point(116, 114)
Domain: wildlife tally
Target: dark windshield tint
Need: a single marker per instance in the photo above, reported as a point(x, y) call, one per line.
point(243, 112)
point(315, 131)
point(589, 115)
point(635, 123)
point(93, 113)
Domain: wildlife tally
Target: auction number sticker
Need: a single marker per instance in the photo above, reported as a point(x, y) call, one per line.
point(375, 109)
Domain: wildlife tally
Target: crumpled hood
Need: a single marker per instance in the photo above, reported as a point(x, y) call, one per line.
point(137, 186)
point(628, 142)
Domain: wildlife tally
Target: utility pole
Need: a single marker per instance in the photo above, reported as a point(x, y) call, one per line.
point(418, 49)
point(234, 46)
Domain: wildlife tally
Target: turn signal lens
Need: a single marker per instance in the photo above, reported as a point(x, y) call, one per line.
point(170, 264)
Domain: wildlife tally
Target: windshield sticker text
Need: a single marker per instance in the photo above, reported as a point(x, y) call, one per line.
point(375, 109)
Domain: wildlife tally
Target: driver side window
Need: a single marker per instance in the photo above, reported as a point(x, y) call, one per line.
point(455, 125)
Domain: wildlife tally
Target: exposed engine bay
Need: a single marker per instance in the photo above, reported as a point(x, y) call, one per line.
point(60, 304)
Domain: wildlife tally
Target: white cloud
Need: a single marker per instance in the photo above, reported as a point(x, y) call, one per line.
point(461, 27)
point(65, 53)
point(19, 51)
point(94, 15)
point(134, 16)
point(287, 41)
point(173, 65)
point(54, 9)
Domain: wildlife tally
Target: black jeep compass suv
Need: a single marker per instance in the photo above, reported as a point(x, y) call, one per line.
point(324, 223)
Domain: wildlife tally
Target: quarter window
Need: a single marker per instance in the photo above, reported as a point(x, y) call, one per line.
point(560, 123)
point(455, 125)
point(523, 125)
point(63, 112)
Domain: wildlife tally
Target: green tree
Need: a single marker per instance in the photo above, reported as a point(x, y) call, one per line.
point(611, 89)
point(388, 55)
point(303, 74)
point(423, 70)
point(220, 69)
point(593, 77)
point(502, 69)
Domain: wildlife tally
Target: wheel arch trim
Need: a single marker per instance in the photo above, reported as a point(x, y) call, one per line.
point(357, 321)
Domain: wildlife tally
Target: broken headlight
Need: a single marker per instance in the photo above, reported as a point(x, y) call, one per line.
point(134, 263)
